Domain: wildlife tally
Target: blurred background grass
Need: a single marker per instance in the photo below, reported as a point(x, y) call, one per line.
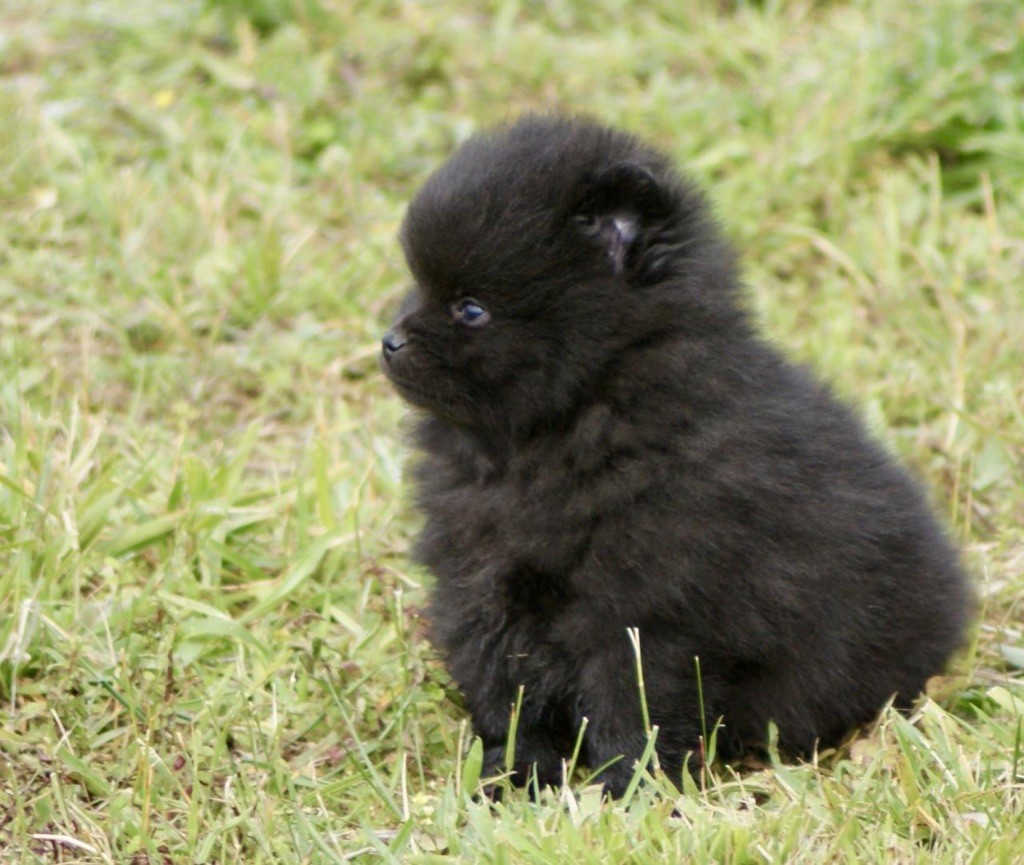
point(209, 640)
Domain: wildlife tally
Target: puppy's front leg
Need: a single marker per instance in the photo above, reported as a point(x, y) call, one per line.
point(611, 703)
point(613, 699)
point(539, 746)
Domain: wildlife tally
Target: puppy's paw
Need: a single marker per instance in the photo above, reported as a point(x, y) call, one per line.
point(494, 775)
point(531, 765)
point(615, 778)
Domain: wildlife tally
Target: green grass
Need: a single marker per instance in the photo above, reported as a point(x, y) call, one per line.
point(210, 646)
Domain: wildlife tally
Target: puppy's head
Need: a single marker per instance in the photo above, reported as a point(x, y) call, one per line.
point(540, 252)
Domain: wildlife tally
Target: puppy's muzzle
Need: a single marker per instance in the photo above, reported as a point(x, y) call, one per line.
point(393, 342)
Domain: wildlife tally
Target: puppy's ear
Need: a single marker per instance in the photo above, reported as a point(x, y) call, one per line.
point(619, 204)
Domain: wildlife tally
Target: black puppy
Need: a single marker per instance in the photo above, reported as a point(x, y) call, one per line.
point(608, 445)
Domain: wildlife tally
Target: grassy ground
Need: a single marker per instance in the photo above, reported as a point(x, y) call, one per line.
point(209, 641)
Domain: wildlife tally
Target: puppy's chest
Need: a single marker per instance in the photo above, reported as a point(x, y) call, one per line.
point(503, 557)
point(521, 527)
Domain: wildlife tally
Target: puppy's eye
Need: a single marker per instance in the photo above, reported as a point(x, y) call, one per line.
point(467, 311)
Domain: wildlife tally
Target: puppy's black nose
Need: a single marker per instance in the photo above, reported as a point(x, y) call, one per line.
point(393, 341)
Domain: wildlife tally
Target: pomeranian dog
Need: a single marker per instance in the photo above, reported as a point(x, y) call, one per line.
point(611, 455)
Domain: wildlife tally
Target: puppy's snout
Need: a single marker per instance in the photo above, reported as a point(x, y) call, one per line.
point(393, 342)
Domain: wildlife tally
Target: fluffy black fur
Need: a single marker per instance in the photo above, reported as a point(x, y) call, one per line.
point(608, 444)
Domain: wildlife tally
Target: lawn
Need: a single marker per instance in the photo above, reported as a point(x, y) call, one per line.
point(211, 647)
